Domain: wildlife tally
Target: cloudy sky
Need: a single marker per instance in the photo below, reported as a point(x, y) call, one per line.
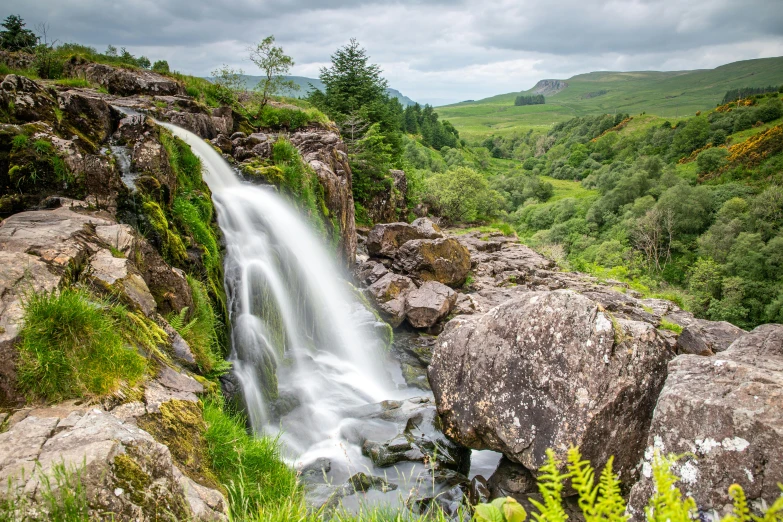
point(434, 51)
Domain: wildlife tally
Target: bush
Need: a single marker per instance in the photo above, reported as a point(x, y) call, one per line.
point(462, 195)
point(712, 159)
point(74, 345)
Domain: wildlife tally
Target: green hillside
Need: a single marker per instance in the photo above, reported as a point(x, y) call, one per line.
point(667, 94)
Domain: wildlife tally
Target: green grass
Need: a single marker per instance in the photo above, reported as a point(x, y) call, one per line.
point(62, 495)
point(672, 327)
point(670, 95)
point(73, 345)
point(250, 468)
point(568, 189)
point(74, 82)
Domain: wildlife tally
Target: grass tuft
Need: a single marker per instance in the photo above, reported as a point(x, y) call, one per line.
point(72, 345)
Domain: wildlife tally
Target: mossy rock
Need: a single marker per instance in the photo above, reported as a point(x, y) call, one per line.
point(180, 426)
point(256, 172)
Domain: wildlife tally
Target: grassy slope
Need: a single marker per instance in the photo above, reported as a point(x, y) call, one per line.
point(667, 94)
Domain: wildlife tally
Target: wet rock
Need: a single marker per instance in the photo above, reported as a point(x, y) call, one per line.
point(389, 293)
point(725, 414)
point(411, 433)
point(546, 370)
point(125, 82)
point(385, 239)
point(478, 492)
point(223, 143)
point(429, 303)
point(511, 480)
point(370, 271)
point(315, 470)
point(198, 123)
point(444, 260)
point(702, 337)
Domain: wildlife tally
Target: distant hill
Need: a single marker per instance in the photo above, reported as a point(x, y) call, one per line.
point(304, 87)
point(668, 94)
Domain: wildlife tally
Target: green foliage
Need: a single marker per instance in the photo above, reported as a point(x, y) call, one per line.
point(462, 195)
point(227, 83)
point(200, 328)
point(290, 118)
point(712, 159)
point(74, 345)
point(15, 37)
point(534, 99)
point(275, 65)
point(598, 502)
point(550, 486)
point(63, 497)
point(504, 509)
point(250, 468)
point(746, 92)
point(672, 327)
point(161, 67)
point(667, 503)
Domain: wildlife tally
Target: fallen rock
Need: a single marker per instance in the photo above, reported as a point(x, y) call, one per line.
point(385, 239)
point(547, 370)
point(444, 260)
point(725, 415)
point(389, 294)
point(429, 303)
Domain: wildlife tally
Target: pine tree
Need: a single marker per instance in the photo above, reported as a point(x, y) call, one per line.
point(16, 37)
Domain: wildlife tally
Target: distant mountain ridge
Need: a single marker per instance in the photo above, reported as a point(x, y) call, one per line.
point(307, 84)
point(670, 94)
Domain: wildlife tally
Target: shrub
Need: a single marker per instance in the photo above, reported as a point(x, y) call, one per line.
point(73, 345)
point(461, 195)
point(712, 159)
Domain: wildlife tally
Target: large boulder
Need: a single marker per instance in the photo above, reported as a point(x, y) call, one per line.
point(725, 415)
point(444, 260)
point(703, 337)
point(385, 239)
point(547, 370)
point(125, 82)
point(389, 294)
point(429, 303)
point(90, 115)
point(24, 100)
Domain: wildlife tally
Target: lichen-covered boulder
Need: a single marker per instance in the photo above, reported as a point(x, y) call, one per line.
point(725, 415)
point(429, 303)
point(389, 294)
point(125, 82)
point(24, 100)
point(547, 370)
point(90, 115)
point(444, 260)
point(385, 239)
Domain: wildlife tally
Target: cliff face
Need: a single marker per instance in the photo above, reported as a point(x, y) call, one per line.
point(549, 87)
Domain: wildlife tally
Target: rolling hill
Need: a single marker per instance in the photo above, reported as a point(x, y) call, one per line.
point(305, 86)
point(667, 94)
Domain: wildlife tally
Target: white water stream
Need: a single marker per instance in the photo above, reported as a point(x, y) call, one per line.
point(293, 315)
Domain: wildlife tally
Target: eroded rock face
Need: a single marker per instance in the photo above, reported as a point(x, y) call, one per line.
point(444, 260)
point(89, 114)
point(385, 239)
point(429, 303)
point(725, 414)
point(25, 101)
point(702, 337)
point(546, 370)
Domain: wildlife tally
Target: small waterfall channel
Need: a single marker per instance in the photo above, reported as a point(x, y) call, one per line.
point(303, 347)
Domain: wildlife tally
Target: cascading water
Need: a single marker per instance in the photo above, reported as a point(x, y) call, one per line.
point(298, 349)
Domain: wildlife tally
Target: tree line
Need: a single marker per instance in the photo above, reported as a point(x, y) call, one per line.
point(530, 99)
point(746, 92)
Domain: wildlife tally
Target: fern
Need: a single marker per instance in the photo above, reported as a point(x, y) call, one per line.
point(775, 512)
point(550, 485)
point(667, 503)
point(601, 502)
point(741, 511)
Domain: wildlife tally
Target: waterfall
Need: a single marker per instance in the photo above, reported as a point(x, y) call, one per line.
point(297, 352)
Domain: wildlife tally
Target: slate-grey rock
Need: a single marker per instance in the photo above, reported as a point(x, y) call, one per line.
point(725, 414)
point(444, 260)
point(429, 303)
point(546, 370)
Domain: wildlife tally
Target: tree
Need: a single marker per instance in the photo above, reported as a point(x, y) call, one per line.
point(226, 82)
point(462, 195)
point(653, 235)
point(275, 65)
point(712, 159)
point(16, 37)
point(143, 62)
point(111, 51)
point(161, 67)
point(351, 82)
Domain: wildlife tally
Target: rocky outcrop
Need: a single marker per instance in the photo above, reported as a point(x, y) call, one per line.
point(724, 414)
point(24, 100)
point(48, 247)
point(125, 471)
point(389, 295)
point(385, 239)
point(547, 370)
point(443, 260)
point(125, 82)
point(702, 337)
point(549, 87)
